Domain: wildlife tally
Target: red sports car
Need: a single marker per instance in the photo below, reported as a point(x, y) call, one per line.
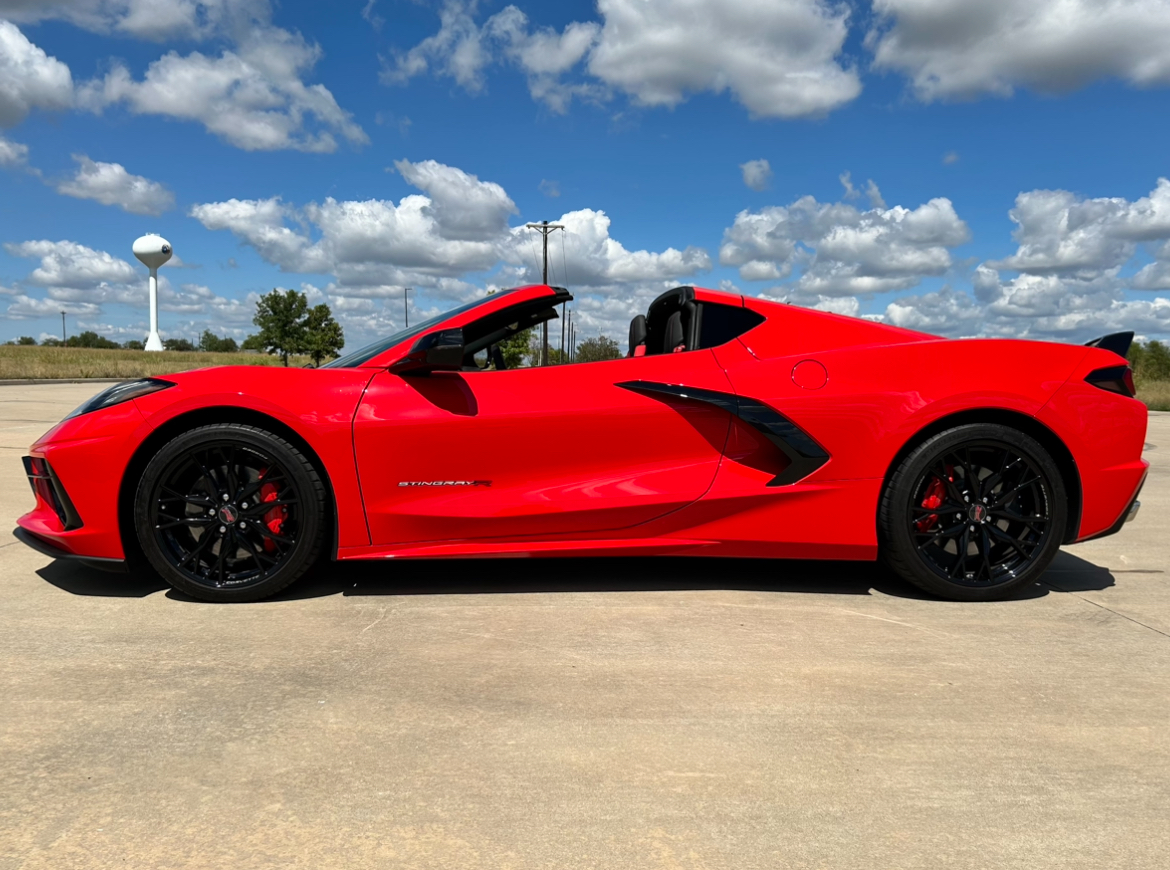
point(734, 427)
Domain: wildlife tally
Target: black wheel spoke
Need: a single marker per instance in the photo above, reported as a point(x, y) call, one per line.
point(263, 507)
point(1015, 543)
point(944, 509)
point(219, 562)
point(257, 556)
point(175, 522)
point(948, 534)
point(961, 561)
point(985, 550)
point(229, 473)
point(201, 500)
point(952, 489)
point(204, 540)
point(1006, 497)
point(269, 534)
point(993, 480)
point(269, 476)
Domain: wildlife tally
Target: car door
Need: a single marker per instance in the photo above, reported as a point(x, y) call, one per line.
point(547, 451)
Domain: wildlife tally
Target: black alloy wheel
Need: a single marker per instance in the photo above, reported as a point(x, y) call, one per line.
point(974, 513)
point(230, 513)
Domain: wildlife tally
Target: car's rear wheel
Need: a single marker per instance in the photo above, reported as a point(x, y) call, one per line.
point(230, 512)
point(975, 513)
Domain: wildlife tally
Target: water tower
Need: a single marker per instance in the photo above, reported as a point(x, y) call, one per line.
point(153, 250)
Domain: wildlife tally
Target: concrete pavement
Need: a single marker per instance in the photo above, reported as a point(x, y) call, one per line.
point(584, 714)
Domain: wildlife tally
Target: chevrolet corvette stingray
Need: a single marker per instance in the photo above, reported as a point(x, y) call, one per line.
point(734, 427)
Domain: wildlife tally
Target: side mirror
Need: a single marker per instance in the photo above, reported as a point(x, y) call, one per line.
point(436, 351)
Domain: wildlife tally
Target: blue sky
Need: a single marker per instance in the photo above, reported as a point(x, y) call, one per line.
point(867, 158)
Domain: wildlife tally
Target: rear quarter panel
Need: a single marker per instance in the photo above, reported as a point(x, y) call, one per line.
point(875, 400)
point(878, 397)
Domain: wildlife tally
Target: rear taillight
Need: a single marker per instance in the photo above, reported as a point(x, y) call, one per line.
point(1115, 379)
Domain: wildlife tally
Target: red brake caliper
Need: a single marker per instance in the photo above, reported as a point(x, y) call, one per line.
point(273, 518)
point(932, 500)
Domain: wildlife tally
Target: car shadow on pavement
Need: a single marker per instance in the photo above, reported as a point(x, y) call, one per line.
point(81, 579)
point(1068, 573)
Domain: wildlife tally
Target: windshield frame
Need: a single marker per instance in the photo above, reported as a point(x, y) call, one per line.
point(363, 355)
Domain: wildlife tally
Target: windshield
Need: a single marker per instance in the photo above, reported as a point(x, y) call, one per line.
point(367, 353)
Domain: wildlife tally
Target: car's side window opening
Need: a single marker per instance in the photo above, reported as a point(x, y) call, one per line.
point(676, 323)
point(481, 338)
point(721, 323)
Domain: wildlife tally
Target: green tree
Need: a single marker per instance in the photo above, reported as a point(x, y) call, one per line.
point(89, 338)
point(1136, 356)
point(212, 343)
point(52, 342)
point(515, 348)
point(252, 342)
point(133, 344)
point(597, 349)
point(1156, 362)
point(281, 318)
point(26, 340)
point(323, 335)
point(178, 344)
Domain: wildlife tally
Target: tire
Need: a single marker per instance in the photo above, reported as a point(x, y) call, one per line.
point(230, 513)
point(974, 513)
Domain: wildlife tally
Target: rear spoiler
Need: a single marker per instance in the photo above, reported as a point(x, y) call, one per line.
point(1118, 342)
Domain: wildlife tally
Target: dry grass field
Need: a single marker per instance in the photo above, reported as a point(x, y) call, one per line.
point(78, 362)
point(1156, 394)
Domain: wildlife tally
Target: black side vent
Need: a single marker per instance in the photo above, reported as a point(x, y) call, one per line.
point(803, 453)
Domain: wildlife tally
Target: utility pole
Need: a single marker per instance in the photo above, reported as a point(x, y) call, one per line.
point(406, 305)
point(64, 338)
point(544, 228)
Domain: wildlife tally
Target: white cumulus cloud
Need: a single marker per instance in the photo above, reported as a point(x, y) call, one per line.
point(1063, 234)
point(757, 174)
point(67, 264)
point(957, 48)
point(144, 19)
point(252, 96)
point(111, 184)
point(592, 258)
point(454, 229)
point(778, 58)
point(841, 250)
point(29, 78)
point(12, 154)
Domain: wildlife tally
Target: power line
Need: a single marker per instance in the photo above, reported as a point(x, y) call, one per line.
point(565, 266)
point(544, 228)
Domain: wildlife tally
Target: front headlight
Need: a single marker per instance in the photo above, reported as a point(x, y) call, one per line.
point(120, 393)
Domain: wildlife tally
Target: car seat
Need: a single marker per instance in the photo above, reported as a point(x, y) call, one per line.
point(638, 336)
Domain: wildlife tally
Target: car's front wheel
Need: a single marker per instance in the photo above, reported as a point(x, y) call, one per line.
point(230, 512)
point(974, 513)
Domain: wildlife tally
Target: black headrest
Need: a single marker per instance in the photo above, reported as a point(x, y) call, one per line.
point(637, 331)
point(674, 333)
